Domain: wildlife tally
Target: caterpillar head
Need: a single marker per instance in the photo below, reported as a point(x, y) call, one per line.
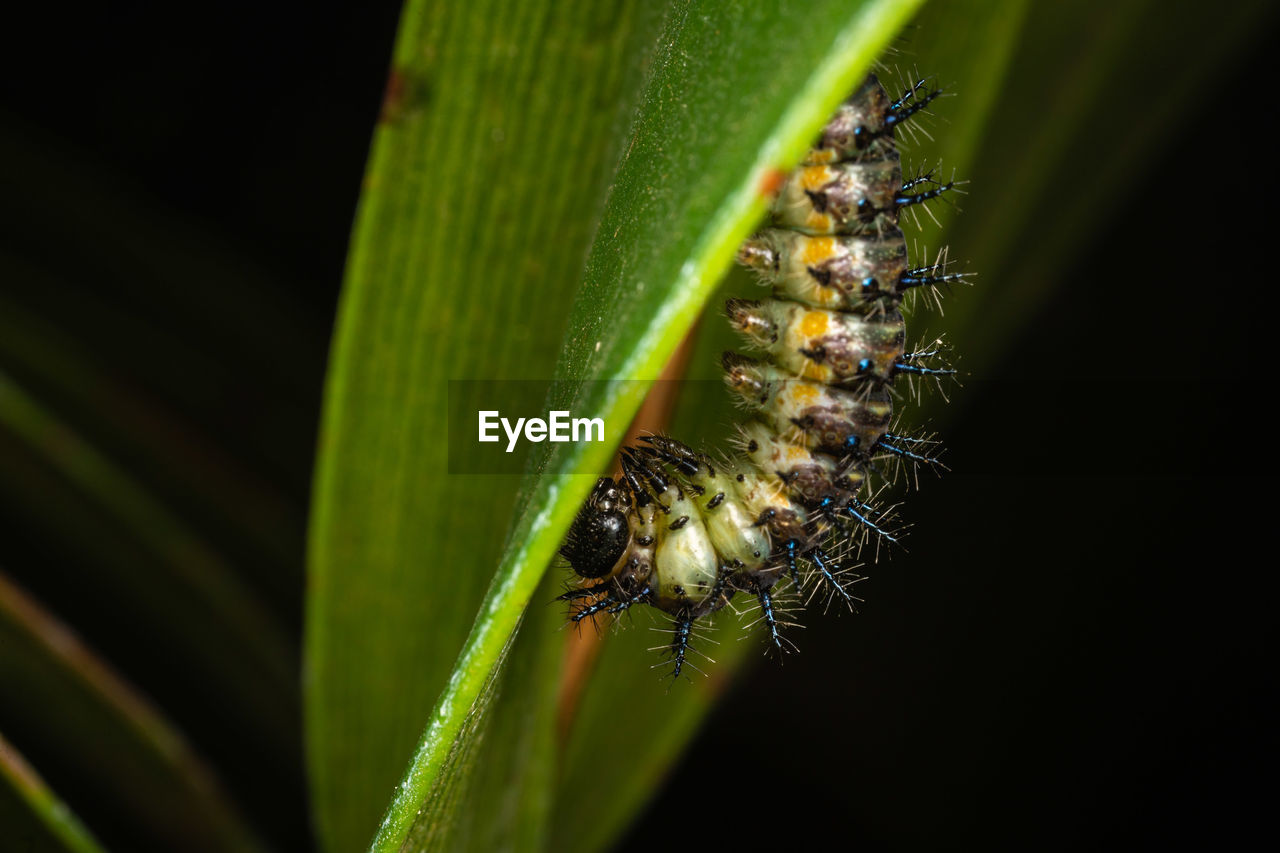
point(600, 534)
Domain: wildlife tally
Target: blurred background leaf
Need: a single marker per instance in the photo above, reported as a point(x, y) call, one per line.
point(174, 215)
point(33, 817)
point(137, 763)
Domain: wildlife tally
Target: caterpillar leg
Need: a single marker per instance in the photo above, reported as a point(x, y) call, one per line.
point(916, 362)
point(627, 601)
point(905, 366)
point(680, 644)
point(864, 514)
point(717, 597)
point(586, 611)
point(899, 445)
point(646, 481)
point(582, 597)
point(911, 102)
point(906, 198)
point(578, 592)
point(830, 571)
point(681, 457)
point(791, 553)
point(765, 598)
point(928, 277)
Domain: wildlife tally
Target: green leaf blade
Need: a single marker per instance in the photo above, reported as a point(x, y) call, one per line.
point(484, 186)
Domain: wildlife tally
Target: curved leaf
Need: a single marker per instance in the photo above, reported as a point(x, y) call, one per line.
point(80, 330)
point(195, 596)
point(33, 817)
point(117, 743)
point(165, 454)
point(502, 124)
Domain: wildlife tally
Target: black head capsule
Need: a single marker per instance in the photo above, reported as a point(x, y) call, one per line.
point(600, 534)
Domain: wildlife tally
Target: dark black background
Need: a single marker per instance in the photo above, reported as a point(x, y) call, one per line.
point(1077, 652)
point(180, 179)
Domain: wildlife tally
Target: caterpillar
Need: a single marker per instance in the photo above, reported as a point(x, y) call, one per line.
point(683, 532)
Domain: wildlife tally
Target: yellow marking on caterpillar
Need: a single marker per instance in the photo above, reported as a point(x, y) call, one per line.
point(879, 410)
point(816, 372)
point(818, 221)
point(803, 395)
point(814, 178)
point(814, 323)
point(817, 249)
